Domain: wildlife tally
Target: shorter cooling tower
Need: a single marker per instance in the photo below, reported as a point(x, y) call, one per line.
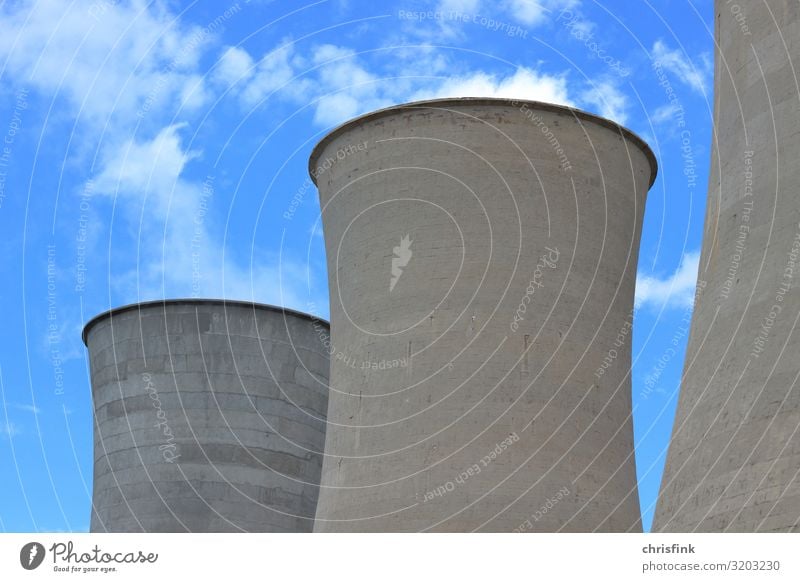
point(209, 417)
point(481, 262)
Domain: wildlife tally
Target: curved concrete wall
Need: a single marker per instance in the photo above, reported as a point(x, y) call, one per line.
point(481, 261)
point(734, 459)
point(209, 416)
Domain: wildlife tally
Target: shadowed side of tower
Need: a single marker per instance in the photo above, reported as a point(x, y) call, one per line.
point(209, 417)
point(481, 262)
point(734, 457)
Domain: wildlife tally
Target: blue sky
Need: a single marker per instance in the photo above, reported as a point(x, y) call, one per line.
point(159, 149)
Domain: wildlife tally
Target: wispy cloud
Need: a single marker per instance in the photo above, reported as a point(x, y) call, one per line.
point(29, 408)
point(104, 63)
point(534, 12)
point(9, 429)
point(675, 290)
point(695, 72)
point(523, 84)
point(666, 113)
point(465, 6)
point(341, 84)
point(607, 99)
point(178, 253)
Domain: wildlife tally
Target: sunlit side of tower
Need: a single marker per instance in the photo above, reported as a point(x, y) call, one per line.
point(734, 457)
point(481, 262)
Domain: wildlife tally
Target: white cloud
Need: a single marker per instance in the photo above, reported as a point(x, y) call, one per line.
point(104, 63)
point(465, 6)
point(665, 113)
point(693, 72)
point(340, 84)
point(9, 429)
point(150, 168)
point(523, 84)
point(605, 98)
point(178, 253)
point(533, 12)
point(116, 66)
point(29, 408)
point(676, 290)
point(233, 66)
point(274, 71)
point(194, 93)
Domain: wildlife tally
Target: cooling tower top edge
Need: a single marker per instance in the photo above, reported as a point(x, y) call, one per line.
point(456, 101)
point(195, 301)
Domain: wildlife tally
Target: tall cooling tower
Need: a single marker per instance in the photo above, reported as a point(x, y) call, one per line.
point(209, 417)
point(481, 261)
point(734, 458)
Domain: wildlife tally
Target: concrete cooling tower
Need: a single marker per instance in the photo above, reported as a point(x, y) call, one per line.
point(481, 262)
point(734, 458)
point(209, 417)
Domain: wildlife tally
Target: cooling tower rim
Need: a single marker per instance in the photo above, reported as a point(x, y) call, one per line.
point(454, 101)
point(196, 301)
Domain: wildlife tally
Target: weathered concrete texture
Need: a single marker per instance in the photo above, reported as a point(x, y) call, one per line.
point(446, 414)
point(209, 417)
point(734, 459)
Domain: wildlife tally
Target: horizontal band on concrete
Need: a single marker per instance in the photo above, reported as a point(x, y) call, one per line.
point(194, 301)
point(477, 101)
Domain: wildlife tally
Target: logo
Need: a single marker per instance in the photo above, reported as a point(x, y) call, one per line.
point(32, 555)
point(402, 254)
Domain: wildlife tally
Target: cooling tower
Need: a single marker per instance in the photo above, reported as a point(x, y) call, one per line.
point(209, 417)
point(481, 261)
point(734, 458)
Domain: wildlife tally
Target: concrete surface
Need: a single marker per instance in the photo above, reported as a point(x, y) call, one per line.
point(209, 417)
point(734, 460)
point(481, 261)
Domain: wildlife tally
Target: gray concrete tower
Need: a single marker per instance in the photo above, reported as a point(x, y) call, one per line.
point(734, 459)
point(209, 417)
point(481, 260)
